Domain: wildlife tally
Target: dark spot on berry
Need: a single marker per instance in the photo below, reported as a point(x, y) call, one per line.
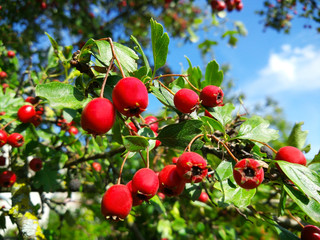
point(142, 196)
point(219, 96)
point(134, 111)
point(249, 172)
point(196, 171)
point(6, 184)
point(168, 191)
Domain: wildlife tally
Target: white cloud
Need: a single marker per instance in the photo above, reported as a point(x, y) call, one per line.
point(291, 69)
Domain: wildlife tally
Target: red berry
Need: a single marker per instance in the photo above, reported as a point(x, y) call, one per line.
point(175, 160)
point(116, 202)
point(36, 120)
point(3, 137)
point(145, 183)
point(43, 5)
point(211, 96)
point(207, 114)
point(291, 154)
point(3, 75)
point(7, 178)
point(170, 183)
point(98, 116)
point(158, 142)
point(310, 232)
point(152, 121)
point(192, 167)
point(11, 54)
point(248, 173)
point(230, 5)
point(96, 166)
point(136, 201)
point(26, 113)
point(186, 100)
point(130, 96)
point(31, 100)
point(239, 6)
point(2, 161)
point(39, 110)
point(220, 6)
point(15, 140)
point(73, 130)
point(133, 127)
point(161, 195)
point(203, 197)
point(35, 164)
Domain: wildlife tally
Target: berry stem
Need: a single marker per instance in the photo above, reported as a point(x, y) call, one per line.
point(272, 149)
point(169, 90)
point(148, 164)
point(8, 124)
point(115, 56)
point(121, 168)
point(188, 148)
point(106, 77)
point(185, 78)
point(225, 146)
point(294, 218)
point(170, 75)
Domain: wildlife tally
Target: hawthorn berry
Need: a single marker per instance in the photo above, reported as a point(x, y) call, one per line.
point(133, 127)
point(152, 122)
point(207, 114)
point(15, 140)
point(170, 183)
point(2, 161)
point(203, 197)
point(186, 100)
point(3, 75)
point(73, 130)
point(136, 201)
point(116, 202)
point(36, 120)
point(26, 113)
point(218, 5)
point(310, 232)
point(7, 178)
point(130, 96)
point(239, 6)
point(11, 54)
point(96, 166)
point(35, 164)
point(248, 173)
point(3, 137)
point(211, 96)
point(98, 116)
point(145, 183)
point(32, 100)
point(291, 154)
point(174, 160)
point(192, 167)
point(161, 195)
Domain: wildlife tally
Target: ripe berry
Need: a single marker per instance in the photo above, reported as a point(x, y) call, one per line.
point(2, 161)
point(192, 167)
point(35, 164)
point(291, 154)
point(145, 183)
point(310, 232)
point(161, 195)
point(116, 202)
point(32, 100)
point(7, 178)
point(73, 130)
point(170, 183)
point(158, 142)
point(36, 120)
point(152, 121)
point(98, 116)
point(203, 197)
point(248, 173)
point(96, 166)
point(239, 6)
point(15, 140)
point(174, 160)
point(130, 96)
point(26, 113)
point(136, 201)
point(133, 127)
point(211, 96)
point(186, 100)
point(3, 137)
point(3, 75)
point(11, 54)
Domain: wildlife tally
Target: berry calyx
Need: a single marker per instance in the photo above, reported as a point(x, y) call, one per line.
point(26, 113)
point(35, 164)
point(96, 166)
point(152, 122)
point(7, 178)
point(130, 96)
point(98, 116)
point(136, 201)
point(192, 167)
point(291, 154)
point(116, 202)
point(248, 173)
point(15, 140)
point(11, 54)
point(3, 137)
point(145, 183)
point(186, 100)
point(310, 232)
point(203, 197)
point(170, 183)
point(211, 96)
point(3, 75)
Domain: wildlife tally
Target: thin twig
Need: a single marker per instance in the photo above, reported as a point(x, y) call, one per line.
point(295, 219)
point(272, 149)
point(188, 148)
point(169, 90)
point(185, 78)
point(225, 146)
point(115, 56)
point(106, 77)
point(122, 165)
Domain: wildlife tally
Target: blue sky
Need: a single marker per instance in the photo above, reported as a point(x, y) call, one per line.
point(284, 67)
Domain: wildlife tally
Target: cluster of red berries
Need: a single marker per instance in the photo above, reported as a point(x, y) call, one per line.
point(67, 126)
point(130, 98)
point(31, 113)
point(14, 139)
point(187, 101)
point(118, 200)
point(220, 5)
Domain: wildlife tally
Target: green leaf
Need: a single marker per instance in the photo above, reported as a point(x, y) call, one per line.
point(135, 143)
point(223, 114)
point(140, 50)
point(164, 228)
point(193, 190)
point(180, 134)
point(212, 123)
point(297, 137)
point(213, 75)
point(86, 51)
point(224, 170)
point(194, 74)
point(163, 95)
point(309, 206)
point(283, 233)
point(53, 42)
point(304, 178)
point(316, 158)
point(61, 95)
point(57, 48)
point(160, 43)
point(156, 202)
point(256, 128)
point(46, 179)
